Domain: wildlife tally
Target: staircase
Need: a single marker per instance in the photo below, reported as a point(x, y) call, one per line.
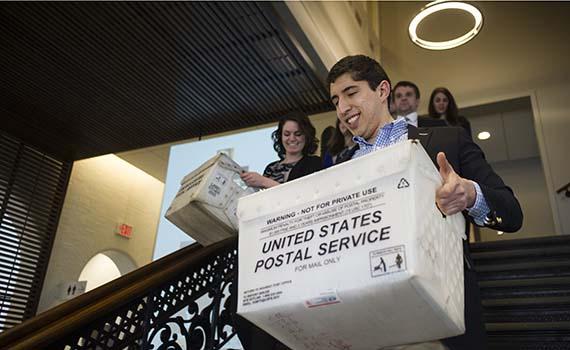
point(187, 300)
point(525, 287)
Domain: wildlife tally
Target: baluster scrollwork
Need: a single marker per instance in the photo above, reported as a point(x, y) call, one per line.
point(195, 310)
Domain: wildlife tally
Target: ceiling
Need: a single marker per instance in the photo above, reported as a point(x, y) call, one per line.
point(522, 46)
point(79, 80)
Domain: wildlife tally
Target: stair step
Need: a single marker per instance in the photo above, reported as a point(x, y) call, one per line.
point(534, 252)
point(544, 301)
point(541, 291)
point(529, 337)
point(528, 313)
point(515, 244)
point(529, 329)
point(522, 265)
point(555, 280)
point(516, 345)
point(542, 272)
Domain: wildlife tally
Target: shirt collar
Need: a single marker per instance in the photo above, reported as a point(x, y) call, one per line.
point(411, 118)
point(387, 128)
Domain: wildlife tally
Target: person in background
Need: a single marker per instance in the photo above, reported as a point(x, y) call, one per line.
point(340, 145)
point(442, 106)
point(326, 137)
point(295, 143)
point(406, 99)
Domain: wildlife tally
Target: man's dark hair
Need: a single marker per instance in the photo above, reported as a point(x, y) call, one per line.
point(405, 83)
point(360, 68)
point(306, 128)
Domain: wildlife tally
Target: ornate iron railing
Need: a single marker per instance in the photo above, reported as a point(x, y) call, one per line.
point(185, 300)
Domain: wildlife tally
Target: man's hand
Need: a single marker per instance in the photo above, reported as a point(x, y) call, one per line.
point(456, 193)
point(253, 179)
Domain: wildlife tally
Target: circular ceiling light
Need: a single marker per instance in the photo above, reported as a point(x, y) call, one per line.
point(437, 6)
point(484, 135)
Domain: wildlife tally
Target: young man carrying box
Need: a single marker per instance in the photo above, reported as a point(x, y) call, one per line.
point(360, 89)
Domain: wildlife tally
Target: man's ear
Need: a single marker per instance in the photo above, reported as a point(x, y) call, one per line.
point(383, 90)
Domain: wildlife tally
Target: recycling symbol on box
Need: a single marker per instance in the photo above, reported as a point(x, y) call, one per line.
point(403, 183)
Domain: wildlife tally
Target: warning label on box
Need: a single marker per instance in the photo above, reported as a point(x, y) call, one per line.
point(264, 293)
point(314, 235)
point(388, 260)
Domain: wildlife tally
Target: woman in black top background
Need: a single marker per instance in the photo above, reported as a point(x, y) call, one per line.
point(442, 106)
point(295, 142)
point(340, 145)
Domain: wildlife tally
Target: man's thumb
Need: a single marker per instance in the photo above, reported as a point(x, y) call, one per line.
point(445, 169)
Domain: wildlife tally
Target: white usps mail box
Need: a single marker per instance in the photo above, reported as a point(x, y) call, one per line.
point(356, 256)
point(205, 205)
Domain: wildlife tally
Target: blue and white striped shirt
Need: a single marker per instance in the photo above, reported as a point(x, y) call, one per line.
point(397, 131)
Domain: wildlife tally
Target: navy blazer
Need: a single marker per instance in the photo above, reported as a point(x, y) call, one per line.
point(468, 160)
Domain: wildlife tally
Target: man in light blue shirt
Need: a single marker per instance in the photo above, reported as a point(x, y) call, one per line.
point(360, 90)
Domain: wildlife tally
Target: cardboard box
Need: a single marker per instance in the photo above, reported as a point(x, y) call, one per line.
point(356, 256)
point(205, 205)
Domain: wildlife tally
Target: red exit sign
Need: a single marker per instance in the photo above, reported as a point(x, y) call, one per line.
point(124, 230)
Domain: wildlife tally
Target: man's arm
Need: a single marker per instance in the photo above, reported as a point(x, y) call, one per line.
point(458, 192)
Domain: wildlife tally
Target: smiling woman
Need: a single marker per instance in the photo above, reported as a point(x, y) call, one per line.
point(442, 105)
point(295, 142)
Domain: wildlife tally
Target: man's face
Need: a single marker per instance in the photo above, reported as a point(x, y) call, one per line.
point(405, 100)
point(358, 107)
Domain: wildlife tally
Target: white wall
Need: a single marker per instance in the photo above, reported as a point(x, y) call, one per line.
point(103, 192)
point(553, 106)
point(526, 178)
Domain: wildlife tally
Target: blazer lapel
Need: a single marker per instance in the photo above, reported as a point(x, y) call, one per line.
point(422, 134)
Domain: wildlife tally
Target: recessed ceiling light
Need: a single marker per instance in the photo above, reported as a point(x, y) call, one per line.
point(437, 6)
point(483, 135)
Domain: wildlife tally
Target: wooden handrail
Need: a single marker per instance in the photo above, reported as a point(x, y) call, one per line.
point(76, 313)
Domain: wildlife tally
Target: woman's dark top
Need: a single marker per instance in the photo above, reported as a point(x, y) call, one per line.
point(345, 154)
point(464, 123)
point(284, 172)
point(461, 122)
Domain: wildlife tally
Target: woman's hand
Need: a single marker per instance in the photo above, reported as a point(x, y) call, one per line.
point(253, 179)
